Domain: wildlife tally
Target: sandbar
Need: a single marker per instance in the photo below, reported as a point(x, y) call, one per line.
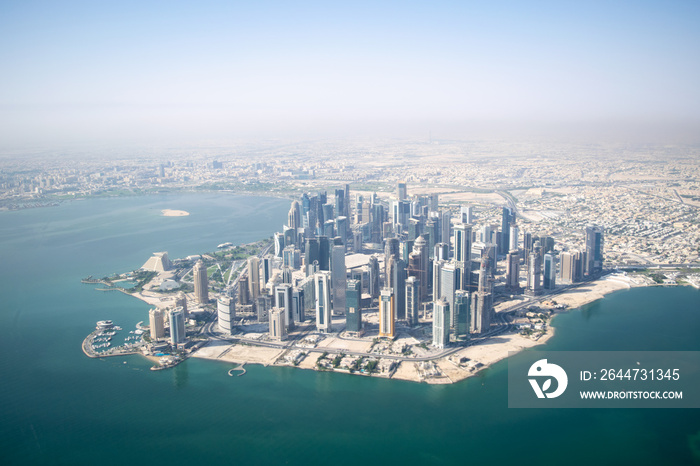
point(174, 213)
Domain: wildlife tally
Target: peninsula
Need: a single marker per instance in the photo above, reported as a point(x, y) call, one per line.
point(433, 292)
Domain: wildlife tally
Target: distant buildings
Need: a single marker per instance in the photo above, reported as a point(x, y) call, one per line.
point(401, 191)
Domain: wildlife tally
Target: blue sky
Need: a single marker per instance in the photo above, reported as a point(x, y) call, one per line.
point(125, 70)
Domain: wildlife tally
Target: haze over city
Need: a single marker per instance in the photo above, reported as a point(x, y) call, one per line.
point(81, 73)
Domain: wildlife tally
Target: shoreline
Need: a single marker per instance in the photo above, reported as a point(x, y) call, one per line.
point(455, 367)
point(395, 358)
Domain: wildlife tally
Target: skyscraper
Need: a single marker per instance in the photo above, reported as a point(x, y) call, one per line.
point(571, 266)
point(266, 270)
point(466, 215)
point(324, 253)
point(513, 271)
point(482, 300)
point(377, 221)
point(448, 281)
point(550, 269)
point(391, 249)
point(441, 251)
point(396, 280)
point(294, 216)
point(386, 313)
point(482, 304)
point(513, 238)
point(420, 247)
point(254, 277)
point(412, 300)
point(278, 330)
point(463, 249)
point(201, 283)
point(156, 324)
point(534, 273)
point(373, 277)
point(401, 191)
point(279, 243)
point(177, 326)
point(322, 284)
point(298, 305)
point(441, 326)
point(283, 301)
point(310, 254)
point(593, 265)
point(243, 291)
point(507, 220)
point(226, 313)
point(181, 301)
point(341, 227)
point(338, 278)
point(263, 304)
point(462, 306)
point(353, 310)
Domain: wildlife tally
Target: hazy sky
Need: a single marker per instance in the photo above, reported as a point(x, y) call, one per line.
point(92, 71)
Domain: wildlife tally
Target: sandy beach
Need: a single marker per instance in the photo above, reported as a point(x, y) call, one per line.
point(174, 213)
point(593, 291)
point(442, 370)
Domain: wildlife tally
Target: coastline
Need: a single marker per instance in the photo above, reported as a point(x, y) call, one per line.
point(452, 368)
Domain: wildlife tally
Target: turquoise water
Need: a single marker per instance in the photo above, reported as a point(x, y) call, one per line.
point(59, 407)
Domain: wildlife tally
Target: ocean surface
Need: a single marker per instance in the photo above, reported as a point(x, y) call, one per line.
point(59, 407)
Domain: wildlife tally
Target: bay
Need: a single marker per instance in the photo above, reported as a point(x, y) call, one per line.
point(59, 407)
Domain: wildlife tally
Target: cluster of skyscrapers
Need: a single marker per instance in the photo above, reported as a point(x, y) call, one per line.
point(340, 256)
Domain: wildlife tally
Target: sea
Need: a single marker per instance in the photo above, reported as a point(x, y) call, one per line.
point(58, 406)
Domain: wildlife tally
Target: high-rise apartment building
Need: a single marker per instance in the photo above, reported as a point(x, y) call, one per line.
point(226, 313)
point(156, 324)
point(322, 285)
point(254, 277)
point(177, 326)
point(550, 271)
point(386, 313)
point(278, 329)
point(201, 283)
point(441, 323)
point(413, 300)
point(353, 310)
point(593, 265)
